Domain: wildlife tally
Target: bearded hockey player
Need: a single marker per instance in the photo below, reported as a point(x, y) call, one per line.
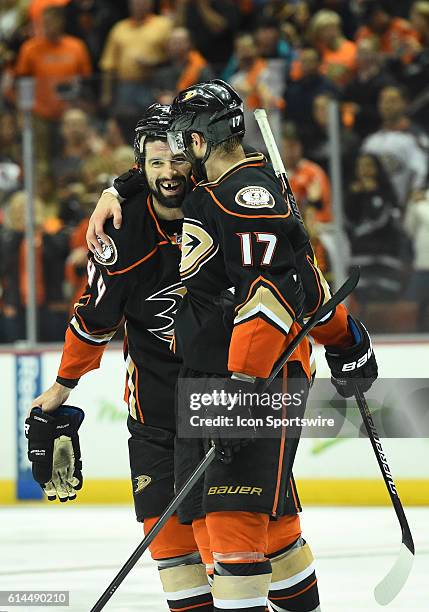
point(241, 236)
point(137, 279)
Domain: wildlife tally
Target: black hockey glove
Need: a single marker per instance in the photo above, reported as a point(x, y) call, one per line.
point(355, 364)
point(54, 451)
point(220, 418)
point(130, 183)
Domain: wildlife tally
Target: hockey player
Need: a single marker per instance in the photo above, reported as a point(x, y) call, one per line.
point(293, 576)
point(240, 234)
point(136, 278)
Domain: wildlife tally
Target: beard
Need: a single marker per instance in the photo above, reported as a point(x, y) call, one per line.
point(170, 201)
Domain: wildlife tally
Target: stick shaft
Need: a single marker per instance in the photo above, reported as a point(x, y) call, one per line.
point(368, 421)
point(144, 544)
point(270, 143)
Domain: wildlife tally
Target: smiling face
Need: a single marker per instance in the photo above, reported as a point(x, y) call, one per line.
point(166, 174)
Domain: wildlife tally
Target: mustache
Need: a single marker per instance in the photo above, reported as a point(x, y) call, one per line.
point(158, 182)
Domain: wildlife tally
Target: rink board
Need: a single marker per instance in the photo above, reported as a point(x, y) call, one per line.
point(342, 472)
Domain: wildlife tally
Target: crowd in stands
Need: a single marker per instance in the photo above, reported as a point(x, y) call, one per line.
point(98, 64)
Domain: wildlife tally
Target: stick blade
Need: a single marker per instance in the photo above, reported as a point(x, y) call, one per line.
point(392, 584)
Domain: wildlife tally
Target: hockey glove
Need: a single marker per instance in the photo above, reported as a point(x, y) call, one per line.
point(130, 183)
point(54, 451)
point(354, 365)
point(220, 420)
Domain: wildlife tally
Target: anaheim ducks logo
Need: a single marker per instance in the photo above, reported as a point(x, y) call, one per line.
point(254, 197)
point(197, 248)
point(173, 295)
point(141, 483)
point(189, 94)
point(109, 254)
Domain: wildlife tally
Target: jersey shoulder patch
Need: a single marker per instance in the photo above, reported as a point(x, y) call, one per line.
point(254, 196)
point(134, 242)
point(249, 192)
point(109, 254)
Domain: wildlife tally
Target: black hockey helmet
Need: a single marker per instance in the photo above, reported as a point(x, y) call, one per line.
point(213, 109)
point(155, 123)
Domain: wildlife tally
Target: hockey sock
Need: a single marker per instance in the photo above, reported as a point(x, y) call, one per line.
point(185, 583)
point(241, 586)
point(294, 584)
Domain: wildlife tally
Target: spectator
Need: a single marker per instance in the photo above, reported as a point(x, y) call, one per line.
point(78, 145)
point(122, 160)
point(322, 243)
point(338, 53)
point(213, 25)
point(113, 135)
point(417, 226)
point(402, 146)
point(309, 182)
point(92, 20)
point(305, 84)
point(364, 89)
point(394, 36)
point(419, 19)
point(10, 155)
point(51, 252)
point(185, 67)
point(269, 42)
point(134, 49)
point(377, 241)
point(57, 62)
point(415, 74)
point(276, 10)
point(315, 136)
point(36, 9)
point(347, 10)
point(258, 87)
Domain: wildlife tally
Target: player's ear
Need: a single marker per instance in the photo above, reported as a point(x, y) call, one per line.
point(197, 139)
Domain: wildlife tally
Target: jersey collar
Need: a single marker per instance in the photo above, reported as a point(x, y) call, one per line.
point(250, 160)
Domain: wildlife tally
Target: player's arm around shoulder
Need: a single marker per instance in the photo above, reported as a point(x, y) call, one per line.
point(109, 206)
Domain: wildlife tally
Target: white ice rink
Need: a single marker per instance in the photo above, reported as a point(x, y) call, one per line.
point(80, 549)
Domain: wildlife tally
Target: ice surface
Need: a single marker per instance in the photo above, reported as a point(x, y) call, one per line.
point(81, 548)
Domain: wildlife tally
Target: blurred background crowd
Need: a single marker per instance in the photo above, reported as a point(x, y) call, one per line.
point(97, 64)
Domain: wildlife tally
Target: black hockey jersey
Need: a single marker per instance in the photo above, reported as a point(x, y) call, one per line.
point(137, 280)
point(240, 237)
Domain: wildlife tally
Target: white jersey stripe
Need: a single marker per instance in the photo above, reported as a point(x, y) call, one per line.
point(236, 604)
point(290, 582)
point(185, 593)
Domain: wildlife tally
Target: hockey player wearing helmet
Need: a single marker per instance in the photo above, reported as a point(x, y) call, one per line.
point(136, 278)
point(282, 532)
point(241, 237)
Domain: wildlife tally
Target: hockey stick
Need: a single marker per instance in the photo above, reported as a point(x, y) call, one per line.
point(331, 304)
point(389, 587)
point(393, 582)
point(276, 160)
point(144, 544)
point(320, 314)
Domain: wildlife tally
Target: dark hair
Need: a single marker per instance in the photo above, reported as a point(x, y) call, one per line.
point(268, 23)
point(55, 11)
point(383, 179)
point(373, 6)
point(151, 139)
point(228, 146)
